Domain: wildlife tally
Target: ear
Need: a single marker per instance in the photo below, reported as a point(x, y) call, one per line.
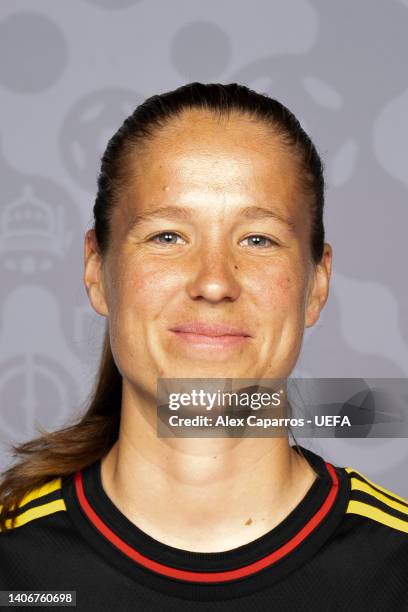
point(319, 287)
point(93, 274)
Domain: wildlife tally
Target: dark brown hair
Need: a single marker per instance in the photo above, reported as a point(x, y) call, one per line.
point(63, 452)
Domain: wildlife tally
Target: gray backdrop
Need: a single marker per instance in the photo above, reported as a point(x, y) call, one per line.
point(70, 71)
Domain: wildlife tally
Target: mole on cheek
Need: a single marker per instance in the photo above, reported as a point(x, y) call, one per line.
point(249, 521)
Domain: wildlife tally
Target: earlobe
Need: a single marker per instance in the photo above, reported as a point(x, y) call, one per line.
point(97, 299)
point(93, 275)
point(319, 291)
point(312, 312)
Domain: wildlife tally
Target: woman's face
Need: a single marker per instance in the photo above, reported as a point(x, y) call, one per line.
point(231, 248)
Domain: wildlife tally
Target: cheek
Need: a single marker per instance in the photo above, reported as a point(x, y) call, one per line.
point(144, 288)
point(283, 291)
point(285, 283)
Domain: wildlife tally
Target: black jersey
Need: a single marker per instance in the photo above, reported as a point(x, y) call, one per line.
point(344, 547)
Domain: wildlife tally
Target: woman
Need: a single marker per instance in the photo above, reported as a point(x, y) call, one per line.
point(208, 224)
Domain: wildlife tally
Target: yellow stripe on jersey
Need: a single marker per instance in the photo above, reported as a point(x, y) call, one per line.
point(405, 501)
point(48, 487)
point(42, 509)
point(37, 512)
point(371, 510)
point(358, 507)
point(358, 485)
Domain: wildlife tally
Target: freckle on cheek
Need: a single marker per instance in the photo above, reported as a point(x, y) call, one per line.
point(142, 284)
point(284, 282)
point(136, 282)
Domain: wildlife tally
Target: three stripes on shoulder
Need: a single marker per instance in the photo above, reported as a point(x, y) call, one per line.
point(39, 502)
point(374, 502)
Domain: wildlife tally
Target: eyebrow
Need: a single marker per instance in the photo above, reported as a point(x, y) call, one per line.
point(186, 213)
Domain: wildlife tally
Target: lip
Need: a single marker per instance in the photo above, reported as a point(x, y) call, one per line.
point(216, 336)
point(204, 341)
point(210, 330)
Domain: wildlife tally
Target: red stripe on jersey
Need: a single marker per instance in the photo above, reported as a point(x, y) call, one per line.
point(210, 577)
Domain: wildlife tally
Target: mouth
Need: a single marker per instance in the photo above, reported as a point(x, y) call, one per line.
point(218, 336)
point(210, 329)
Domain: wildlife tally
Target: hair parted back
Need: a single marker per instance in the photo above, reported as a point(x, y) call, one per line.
point(83, 441)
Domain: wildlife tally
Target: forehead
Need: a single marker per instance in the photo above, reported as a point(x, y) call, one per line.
point(199, 156)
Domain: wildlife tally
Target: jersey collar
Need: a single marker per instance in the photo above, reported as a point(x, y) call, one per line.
point(246, 568)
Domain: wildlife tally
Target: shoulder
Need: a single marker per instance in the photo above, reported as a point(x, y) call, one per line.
point(375, 503)
point(37, 503)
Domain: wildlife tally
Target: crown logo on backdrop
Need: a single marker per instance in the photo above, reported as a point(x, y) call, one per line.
point(30, 224)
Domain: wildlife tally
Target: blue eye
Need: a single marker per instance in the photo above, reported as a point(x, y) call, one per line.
point(167, 235)
point(259, 239)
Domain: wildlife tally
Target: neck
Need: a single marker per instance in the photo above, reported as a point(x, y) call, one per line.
point(202, 494)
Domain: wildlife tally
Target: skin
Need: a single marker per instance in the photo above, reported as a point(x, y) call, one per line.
point(222, 492)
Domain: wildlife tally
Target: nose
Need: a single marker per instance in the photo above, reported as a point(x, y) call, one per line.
point(214, 277)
